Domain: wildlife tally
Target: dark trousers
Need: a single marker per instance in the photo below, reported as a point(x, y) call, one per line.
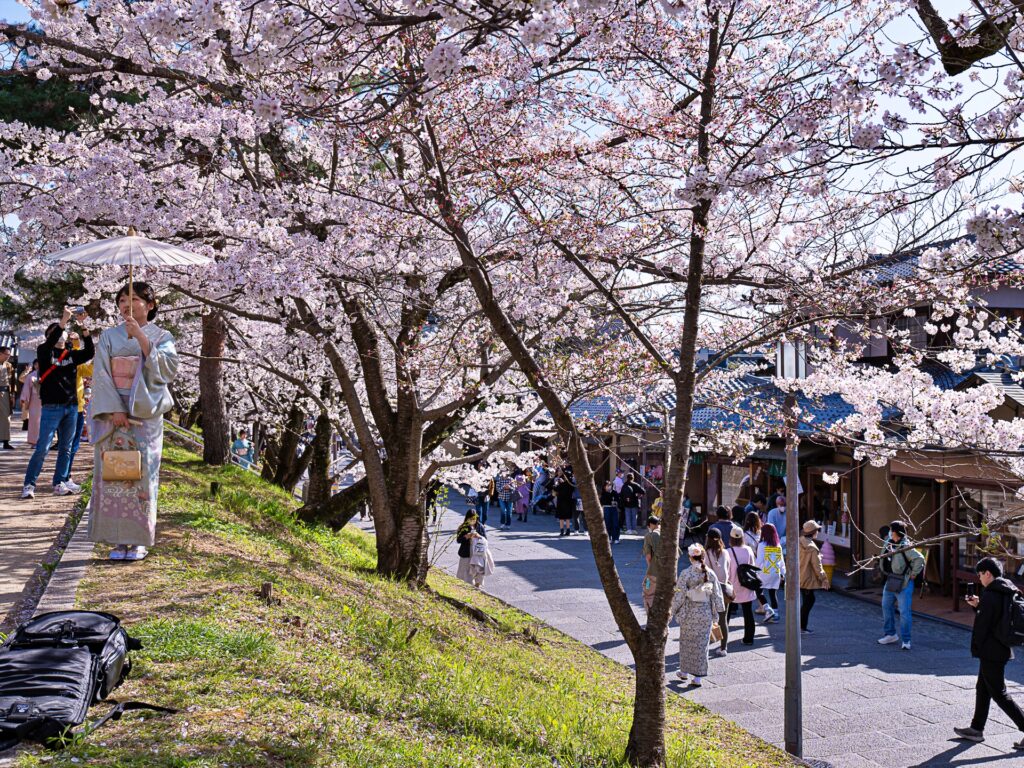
point(806, 603)
point(611, 522)
point(772, 598)
point(992, 687)
point(748, 622)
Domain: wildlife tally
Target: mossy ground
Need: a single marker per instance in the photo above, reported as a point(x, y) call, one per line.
point(348, 669)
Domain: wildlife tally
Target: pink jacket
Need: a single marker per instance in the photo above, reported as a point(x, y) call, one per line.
point(740, 555)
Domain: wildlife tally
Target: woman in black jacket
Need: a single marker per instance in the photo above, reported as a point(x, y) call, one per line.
point(991, 650)
point(469, 530)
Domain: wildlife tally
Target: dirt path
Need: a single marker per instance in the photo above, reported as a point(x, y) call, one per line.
point(28, 527)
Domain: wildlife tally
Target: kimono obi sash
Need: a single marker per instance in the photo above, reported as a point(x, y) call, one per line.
point(123, 370)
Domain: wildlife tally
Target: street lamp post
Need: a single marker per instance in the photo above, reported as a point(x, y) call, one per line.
point(794, 694)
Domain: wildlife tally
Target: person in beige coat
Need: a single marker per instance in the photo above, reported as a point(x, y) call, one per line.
point(812, 575)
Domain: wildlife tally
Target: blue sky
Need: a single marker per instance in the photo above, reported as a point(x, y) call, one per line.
point(11, 11)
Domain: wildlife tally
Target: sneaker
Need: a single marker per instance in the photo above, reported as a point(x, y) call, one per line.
point(888, 640)
point(971, 734)
point(697, 681)
point(806, 631)
point(72, 486)
point(905, 647)
point(136, 553)
point(769, 615)
point(8, 446)
point(60, 489)
point(28, 492)
point(720, 652)
point(1018, 744)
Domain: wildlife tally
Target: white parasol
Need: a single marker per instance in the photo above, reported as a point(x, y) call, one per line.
point(131, 250)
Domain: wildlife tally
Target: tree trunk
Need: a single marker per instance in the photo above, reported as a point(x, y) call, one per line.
point(192, 416)
point(288, 446)
point(339, 508)
point(405, 557)
point(216, 433)
point(271, 454)
point(646, 745)
point(319, 488)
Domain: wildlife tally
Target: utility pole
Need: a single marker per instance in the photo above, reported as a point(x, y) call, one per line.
point(794, 719)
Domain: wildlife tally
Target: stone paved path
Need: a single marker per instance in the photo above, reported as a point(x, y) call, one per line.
point(29, 527)
point(864, 704)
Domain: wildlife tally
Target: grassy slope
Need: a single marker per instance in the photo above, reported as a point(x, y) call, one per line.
point(349, 669)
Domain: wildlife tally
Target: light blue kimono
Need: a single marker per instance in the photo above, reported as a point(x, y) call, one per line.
point(124, 512)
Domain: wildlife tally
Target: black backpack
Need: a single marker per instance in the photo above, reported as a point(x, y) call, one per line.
point(54, 667)
point(1011, 629)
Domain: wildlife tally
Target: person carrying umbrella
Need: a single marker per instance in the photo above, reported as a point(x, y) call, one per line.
point(59, 414)
point(135, 364)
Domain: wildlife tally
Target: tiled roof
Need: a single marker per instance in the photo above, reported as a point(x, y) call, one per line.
point(1011, 389)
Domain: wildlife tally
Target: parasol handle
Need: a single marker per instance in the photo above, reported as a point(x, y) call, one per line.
point(131, 274)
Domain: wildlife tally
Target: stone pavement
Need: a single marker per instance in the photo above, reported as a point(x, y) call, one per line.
point(28, 528)
point(864, 704)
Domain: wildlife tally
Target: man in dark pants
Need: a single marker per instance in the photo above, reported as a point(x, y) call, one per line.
point(991, 651)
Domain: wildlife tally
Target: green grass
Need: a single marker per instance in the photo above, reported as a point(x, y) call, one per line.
point(348, 669)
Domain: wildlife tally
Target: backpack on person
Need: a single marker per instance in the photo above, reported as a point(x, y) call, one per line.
point(54, 667)
point(1011, 626)
point(746, 574)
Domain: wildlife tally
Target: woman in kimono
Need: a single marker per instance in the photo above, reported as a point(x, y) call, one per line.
point(697, 603)
point(31, 404)
point(135, 362)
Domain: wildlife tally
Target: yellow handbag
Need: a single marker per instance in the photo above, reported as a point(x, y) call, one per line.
point(119, 464)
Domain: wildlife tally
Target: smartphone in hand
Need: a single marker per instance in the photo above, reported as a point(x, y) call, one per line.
point(970, 590)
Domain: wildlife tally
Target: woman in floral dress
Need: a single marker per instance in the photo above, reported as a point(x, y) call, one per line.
point(697, 603)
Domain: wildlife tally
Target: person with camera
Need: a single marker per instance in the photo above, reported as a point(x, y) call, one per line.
point(58, 365)
point(901, 564)
point(991, 650)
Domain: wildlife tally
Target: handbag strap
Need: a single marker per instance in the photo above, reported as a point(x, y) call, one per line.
point(52, 367)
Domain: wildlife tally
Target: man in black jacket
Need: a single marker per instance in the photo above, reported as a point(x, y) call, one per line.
point(991, 651)
point(58, 365)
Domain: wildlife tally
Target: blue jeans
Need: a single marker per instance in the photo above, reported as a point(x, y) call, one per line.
point(482, 505)
point(889, 601)
point(62, 420)
point(77, 441)
point(611, 522)
point(631, 513)
point(506, 511)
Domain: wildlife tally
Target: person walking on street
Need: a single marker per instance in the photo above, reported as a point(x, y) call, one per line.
point(522, 497)
point(718, 560)
point(565, 502)
point(739, 555)
point(752, 538)
point(505, 489)
point(698, 599)
point(243, 450)
point(777, 517)
point(629, 501)
point(812, 575)
point(470, 529)
point(483, 500)
point(652, 541)
point(773, 570)
point(31, 404)
point(723, 524)
point(59, 414)
point(991, 650)
point(7, 382)
point(82, 374)
point(900, 566)
point(611, 512)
